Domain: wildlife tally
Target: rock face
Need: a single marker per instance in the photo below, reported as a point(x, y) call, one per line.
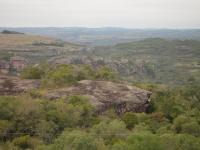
point(13, 85)
point(104, 95)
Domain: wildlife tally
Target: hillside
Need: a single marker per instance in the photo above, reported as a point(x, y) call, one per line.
point(155, 60)
point(152, 60)
point(34, 48)
point(108, 35)
point(58, 107)
point(131, 96)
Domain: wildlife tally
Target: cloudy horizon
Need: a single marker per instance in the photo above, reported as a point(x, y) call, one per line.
point(100, 13)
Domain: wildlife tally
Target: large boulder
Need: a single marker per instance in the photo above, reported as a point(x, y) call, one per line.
point(104, 95)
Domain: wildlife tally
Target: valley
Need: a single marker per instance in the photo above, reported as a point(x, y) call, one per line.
point(130, 95)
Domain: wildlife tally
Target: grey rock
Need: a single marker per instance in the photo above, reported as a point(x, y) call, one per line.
point(104, 95)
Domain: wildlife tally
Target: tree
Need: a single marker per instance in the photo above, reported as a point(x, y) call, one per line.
point(105, 73)
point(110, 131)
point(144, 141)
point(77, 140)
point(26, 142)
point(130, 120)
point(32, 72)
point(59, 76)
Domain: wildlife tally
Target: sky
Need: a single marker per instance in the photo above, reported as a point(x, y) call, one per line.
point(100, 13)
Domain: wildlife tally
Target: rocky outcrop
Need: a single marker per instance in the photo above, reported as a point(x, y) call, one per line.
point(104, 95)
point(123, 66)
point(13, 85)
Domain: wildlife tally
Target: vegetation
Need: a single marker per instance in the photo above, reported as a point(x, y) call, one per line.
point(155, 60)
point(170, 69)
point(32, 122)
point(32, 72)
point(10, 32)
point(63, 75)
point(59, 44)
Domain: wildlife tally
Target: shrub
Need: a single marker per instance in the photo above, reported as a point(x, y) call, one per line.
point(130, 120)
point(26, 142)
point(144, 141)
point(105, 73)
point(59, 76)
point(32, 72)
point(192, 128)
point(77, 140)
point(110, 131)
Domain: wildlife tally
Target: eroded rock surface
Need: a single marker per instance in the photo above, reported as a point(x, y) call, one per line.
point(13, 85)
point(104, 95)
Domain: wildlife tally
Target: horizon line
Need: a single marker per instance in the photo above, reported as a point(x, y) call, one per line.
point(114, 27)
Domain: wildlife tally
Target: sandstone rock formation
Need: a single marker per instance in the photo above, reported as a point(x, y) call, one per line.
point(104, 95)
point(13, 85)
point(101, 94)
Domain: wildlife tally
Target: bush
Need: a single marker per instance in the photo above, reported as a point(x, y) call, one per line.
point(77, 140)
point(110, 131)
point(179, 141)
point(144, 141)
point(26, 142)
point(130, 120)
point(192, 128)
point(105, 73)
point(77, 100)
point(59, 76)
point(179, 121)
point(32, 72)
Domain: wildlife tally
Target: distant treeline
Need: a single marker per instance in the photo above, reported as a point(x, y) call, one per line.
point(10, 32)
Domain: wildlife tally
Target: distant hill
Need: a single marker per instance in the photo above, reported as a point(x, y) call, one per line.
point(109, 35)
point(155, 60)
point(35, 48)
point(10, 32)
point(149, 60)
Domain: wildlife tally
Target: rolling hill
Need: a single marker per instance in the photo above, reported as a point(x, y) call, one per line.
point(33, 47)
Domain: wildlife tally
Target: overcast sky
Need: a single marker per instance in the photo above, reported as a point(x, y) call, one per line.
point(99, 13)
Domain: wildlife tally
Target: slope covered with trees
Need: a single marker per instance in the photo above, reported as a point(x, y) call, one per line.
point(29, 121)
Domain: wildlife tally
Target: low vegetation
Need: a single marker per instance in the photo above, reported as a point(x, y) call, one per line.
point(63, 75)
point(169, 69)
point(29, 121)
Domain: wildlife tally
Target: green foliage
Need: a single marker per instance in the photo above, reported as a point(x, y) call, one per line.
point(155, 60)
point(77, 140)
point(105, 73)
point(130, 119)
point(192, 128)
point(171, 103)
point(85, 72)
point(77, 100)
point(26, 142)
point(184, 124)
point(179, 141)
point(110, 131)
point(59, 76)
point(7, 107)
point(144, 141)
point(66, 75)
point(32, 72)
point(28, 121)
